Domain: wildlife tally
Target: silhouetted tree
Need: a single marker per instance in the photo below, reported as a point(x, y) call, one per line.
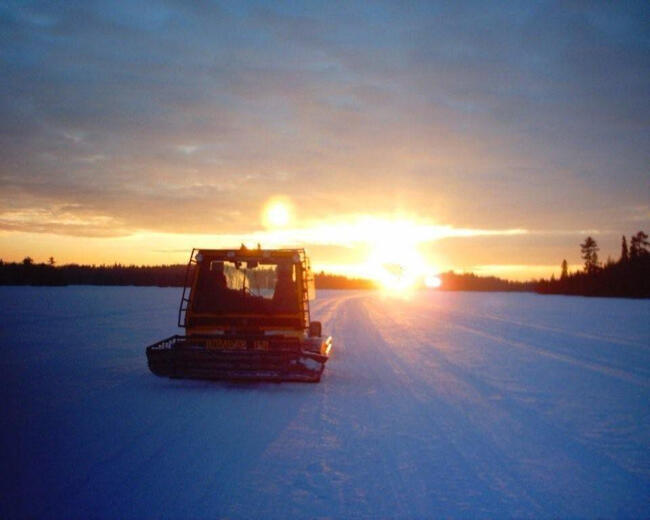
point(625, 256)
point(565, 269)
point(623, 279)
point(28, 261)
point(589, 249)
point(639, 245)
point(51, 261)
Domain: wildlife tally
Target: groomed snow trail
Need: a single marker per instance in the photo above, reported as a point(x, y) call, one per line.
point(444, 404)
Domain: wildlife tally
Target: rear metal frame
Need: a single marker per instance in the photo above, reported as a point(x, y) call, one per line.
point(188, 357)
point(185, 300)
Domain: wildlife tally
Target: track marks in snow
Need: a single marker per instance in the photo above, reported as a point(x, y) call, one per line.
point(471, 461)
point(578, 362)
point(519, 451)
point(608, 338)
point(610, 357)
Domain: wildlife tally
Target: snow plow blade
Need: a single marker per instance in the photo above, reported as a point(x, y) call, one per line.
point(260, 359)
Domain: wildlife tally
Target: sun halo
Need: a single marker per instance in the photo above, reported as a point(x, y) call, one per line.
point(277, 213)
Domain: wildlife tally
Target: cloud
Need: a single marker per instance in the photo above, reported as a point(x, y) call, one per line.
point(173, 118)
point(352, 231)
point(61, 220)
point(187, 149)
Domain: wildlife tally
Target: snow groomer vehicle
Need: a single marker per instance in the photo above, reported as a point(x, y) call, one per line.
point(246, 316)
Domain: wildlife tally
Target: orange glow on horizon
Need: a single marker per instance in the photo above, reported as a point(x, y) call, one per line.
point(394, 249)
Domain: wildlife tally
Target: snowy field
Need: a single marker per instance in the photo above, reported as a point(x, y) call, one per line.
point(448, 404)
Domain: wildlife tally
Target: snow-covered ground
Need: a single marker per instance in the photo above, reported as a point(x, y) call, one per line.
point(448, 404)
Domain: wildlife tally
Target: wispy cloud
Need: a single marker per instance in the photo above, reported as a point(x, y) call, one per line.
point(362, 229)
point(187, 149)
point(61, 220)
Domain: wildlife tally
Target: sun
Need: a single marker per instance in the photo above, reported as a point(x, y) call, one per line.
point(432, 281)
point(395, 260)
point(277, 213)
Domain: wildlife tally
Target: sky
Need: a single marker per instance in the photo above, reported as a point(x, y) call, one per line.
point(491, 137)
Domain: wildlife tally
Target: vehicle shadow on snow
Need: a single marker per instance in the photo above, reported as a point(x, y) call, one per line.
point(190, 385)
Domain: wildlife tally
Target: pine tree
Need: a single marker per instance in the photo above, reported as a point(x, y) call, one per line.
point(589, 250)
point(639, 245)
point(625, 256)
point(565, 270)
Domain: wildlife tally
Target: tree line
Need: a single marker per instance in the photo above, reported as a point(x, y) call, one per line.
point(471, 282)
point(627, 277)
point(29, 272)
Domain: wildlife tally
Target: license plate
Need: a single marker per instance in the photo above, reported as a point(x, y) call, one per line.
point(226, 344)
point(235, 344)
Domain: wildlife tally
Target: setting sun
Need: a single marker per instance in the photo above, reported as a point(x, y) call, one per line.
point(395, 261)
point(432, 281)
point(277, 213)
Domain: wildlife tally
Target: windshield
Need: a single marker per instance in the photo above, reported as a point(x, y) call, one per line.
point(246, 287)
